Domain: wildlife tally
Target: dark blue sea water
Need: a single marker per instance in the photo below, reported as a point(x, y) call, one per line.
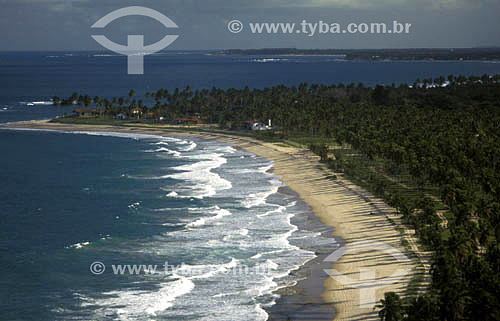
point(68, 200)
point(71, 199)
point(38, 76)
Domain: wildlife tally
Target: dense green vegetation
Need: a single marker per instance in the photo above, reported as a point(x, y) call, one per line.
point(432, 153)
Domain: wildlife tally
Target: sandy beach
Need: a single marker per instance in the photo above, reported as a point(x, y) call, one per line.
point(354, 213)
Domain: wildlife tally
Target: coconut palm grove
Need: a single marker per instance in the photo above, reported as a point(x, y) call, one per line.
point(430, 149)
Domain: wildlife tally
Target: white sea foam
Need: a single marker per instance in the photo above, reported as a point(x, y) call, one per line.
point(219, 213)
point(135, 136)
point(259, 198)
point(227, 149)
point(202, 181)
point(203, 209)
point(220, 295)
point(192, 145)
point(37, 103)
point(268, 286)
point(270, 264)
point(264, 60)
point(236, 234)
point(259, 255)
point(205, 271)
point(79, 245)
point(265, 169)
point(283, 238)
point(160, 143)
point(172, 224)
point(261, 313)
point(316, 234)
point(168, 151)
point(134, 205)
point(198, 222)
point(280, 209)
point(241, 171)
point(49, 102)
point(271, 232)
point(133, 304)
point(165, 209)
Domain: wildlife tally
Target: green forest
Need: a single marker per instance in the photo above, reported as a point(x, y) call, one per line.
point(430, 149)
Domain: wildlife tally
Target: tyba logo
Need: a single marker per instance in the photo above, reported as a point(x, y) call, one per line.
point(135, 50)
point(368, 283)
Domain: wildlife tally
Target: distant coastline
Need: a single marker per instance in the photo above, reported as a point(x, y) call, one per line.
point(410, 54)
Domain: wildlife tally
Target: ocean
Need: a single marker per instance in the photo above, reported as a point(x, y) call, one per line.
point(107, 226)
point(38, 76)
point(202, 208)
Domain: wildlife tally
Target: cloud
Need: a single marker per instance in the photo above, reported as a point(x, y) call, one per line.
point(65, 24)
point(52, 5)
point(370, 4)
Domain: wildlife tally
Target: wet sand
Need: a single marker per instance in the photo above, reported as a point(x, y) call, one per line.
point(354, 215)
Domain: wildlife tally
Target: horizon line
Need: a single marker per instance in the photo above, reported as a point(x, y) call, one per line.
point(263, 48)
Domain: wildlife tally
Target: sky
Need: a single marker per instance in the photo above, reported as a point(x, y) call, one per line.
point(203, 24)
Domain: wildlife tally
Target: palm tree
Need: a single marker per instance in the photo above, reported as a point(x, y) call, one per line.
point(392, 308)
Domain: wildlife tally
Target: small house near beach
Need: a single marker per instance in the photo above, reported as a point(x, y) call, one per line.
point(84, 112)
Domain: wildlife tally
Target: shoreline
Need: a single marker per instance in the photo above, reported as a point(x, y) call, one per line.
point(352, 213)
point(303, 300)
